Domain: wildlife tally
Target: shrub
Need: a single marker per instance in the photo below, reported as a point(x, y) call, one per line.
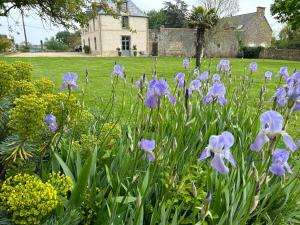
point(61, 183)
point(110, 134)
point(87, 49)
point(27, 118)
point(23, 87)
point(5, 106)
point(23, 71)
point(5, 44)
point(251, 52)
point(44, 86)
point(28, 199)
point(55, 45)
point(20, 166)
point(83, 123)
point(61, 106)
point(24, 49)
point(6, 78)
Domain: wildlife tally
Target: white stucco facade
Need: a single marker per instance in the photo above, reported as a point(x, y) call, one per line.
point(104, 35)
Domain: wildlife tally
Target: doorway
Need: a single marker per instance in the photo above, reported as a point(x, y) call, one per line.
point(126, 45)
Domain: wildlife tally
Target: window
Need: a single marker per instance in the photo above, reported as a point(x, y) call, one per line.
point(83, 42)
point(95, 41)
point(94, 26)
point(89, 42)
point(219, 46)
point(125, 6)
point(125, 21)
point(125, 43)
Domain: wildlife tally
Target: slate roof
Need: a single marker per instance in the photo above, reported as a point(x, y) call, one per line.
point(237, 22)
point(132, 9)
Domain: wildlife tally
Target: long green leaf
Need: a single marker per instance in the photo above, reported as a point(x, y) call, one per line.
point(82, 182)
point(64, 166)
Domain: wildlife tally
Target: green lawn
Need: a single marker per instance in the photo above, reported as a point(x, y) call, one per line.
point(100, 70)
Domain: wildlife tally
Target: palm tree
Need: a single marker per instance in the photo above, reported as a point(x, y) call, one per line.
point(203, 19)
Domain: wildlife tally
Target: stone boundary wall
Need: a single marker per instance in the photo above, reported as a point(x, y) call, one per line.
point(173, 41)
point(273, 53)
point(182, 42)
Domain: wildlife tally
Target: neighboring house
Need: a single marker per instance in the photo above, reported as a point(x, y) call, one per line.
point(104, 34)
point(225, 40)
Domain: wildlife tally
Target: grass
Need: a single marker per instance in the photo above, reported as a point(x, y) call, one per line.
point(100, 70)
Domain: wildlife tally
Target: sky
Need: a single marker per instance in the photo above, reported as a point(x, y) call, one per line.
point(37, 30)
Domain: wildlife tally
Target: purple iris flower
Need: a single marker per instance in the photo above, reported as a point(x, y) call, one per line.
point(195, 86)
point(70, 81)
point(220, 147)
point(50, 120)
point(271, 126)
point(253, 67)
point(148, 146)
point(118, 71)
point(279, 164)
point(196, 72)
point(281, 97)
point(293, 83)
point(223, 66)
point(142, 82)
point(186, 63)
point(204, 76)
point(283, 72)
point(268, 75)
point(180, 79)
point(297, 107)
point(156, 89)
point(290, 92)
point(216, 78)
point(208, 196)
point(216, 93)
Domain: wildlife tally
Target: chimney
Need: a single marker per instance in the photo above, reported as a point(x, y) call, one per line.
point(260, 11)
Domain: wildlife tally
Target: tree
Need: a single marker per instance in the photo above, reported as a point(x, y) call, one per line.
point(156, 18)
point(287, 11)
point(222, 7)
point(288, 38)
point(69, 39)
point(55, 45)
point(63, 40)
point(203, 19)
point(61, 12)
point(175, 14)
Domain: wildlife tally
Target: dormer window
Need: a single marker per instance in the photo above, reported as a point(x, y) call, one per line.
point(125, 22)
point(125, 6)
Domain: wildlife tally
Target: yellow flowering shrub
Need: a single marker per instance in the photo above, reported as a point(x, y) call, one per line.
point(27, 117)
point(110, 134)
point(28, 199)
point(61, 183)
point(83, 123)
point(23, 87)
point(61, 106)
point(6, 78)
point(23, 71)
point(44, 86)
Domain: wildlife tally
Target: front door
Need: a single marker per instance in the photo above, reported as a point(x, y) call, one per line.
point(126, 45)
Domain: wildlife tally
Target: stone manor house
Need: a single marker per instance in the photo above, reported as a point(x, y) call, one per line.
point(104, 34)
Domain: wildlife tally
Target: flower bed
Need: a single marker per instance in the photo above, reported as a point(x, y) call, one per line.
point(187, 153)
